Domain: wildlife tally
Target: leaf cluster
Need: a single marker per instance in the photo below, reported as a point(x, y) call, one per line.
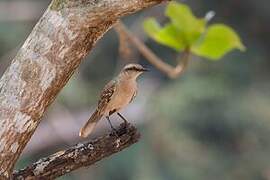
point(186, 31)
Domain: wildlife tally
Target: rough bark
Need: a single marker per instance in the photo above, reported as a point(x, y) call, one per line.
point(80, 155)
point(61, 39)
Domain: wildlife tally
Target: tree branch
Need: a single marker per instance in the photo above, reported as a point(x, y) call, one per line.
point(80, 155)
point(64, 35)
point(172, 72)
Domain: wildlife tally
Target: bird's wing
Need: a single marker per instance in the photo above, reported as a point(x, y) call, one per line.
point(133, 97)
point(106, 95)
point(105, 98)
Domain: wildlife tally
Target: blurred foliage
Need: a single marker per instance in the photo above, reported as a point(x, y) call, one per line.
point(185, 31)
point(206, 128)
point(218, 40)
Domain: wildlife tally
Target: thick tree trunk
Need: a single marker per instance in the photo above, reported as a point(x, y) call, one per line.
point(61, 39)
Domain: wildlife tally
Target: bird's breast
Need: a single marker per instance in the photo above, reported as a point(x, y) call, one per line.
point(123, 95)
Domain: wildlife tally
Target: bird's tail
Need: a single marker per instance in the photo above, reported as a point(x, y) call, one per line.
point(90, 125)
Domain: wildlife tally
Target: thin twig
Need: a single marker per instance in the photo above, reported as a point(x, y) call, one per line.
point(172, 72)
point(80, 155)
point(124, 47)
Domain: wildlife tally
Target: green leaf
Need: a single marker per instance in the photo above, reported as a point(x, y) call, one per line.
point(187, 31)
point(168, 35)
point(151, 27)
point(218, 40)
point(182, 18)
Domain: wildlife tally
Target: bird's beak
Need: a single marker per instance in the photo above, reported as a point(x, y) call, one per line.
point(144, 70)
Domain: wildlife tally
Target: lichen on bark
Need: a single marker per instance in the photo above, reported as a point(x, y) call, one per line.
point(57, 5)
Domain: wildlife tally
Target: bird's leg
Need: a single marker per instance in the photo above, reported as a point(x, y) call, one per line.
point(124, 119)
point(113, 129)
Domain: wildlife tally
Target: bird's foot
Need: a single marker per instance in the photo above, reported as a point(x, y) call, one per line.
point(124, 119)
point(114, 133)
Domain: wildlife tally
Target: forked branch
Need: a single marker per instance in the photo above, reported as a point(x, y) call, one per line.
point(172, 72)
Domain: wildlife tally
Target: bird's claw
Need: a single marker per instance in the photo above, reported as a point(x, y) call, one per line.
point(114, 133)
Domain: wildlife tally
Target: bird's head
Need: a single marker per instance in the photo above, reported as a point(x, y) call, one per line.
point(133, 70)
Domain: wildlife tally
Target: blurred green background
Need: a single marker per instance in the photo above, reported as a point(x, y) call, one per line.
point(211, 123)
